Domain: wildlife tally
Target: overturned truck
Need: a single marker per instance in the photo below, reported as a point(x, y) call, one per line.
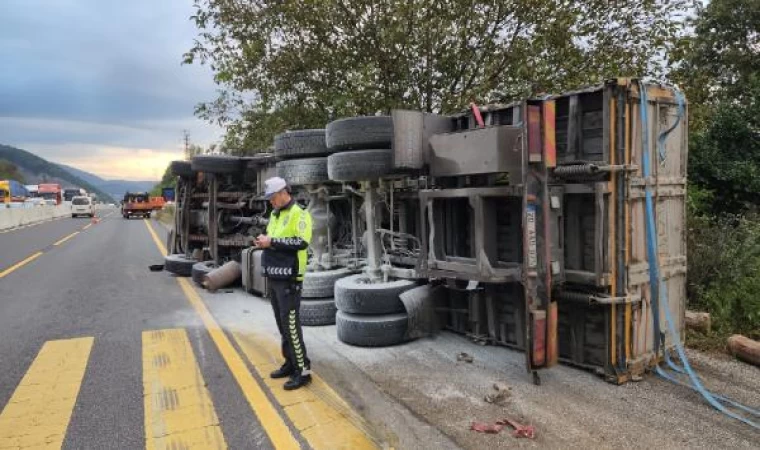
point(528, 225)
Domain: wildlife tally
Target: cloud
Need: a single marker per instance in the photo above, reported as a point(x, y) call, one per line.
point(85, 77)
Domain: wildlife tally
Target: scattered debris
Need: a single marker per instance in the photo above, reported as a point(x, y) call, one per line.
point(465, 357)
point(156, 267)
point(482, 427)
point(501, 396)
point(520, 430)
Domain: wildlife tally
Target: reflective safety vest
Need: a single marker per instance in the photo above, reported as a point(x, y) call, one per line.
point(290, 231)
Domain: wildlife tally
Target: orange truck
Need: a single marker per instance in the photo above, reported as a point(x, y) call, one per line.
point(157, 202)
point(136, 204)
point(51, 192)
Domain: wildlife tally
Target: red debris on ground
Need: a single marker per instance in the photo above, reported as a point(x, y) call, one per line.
point(520, 431)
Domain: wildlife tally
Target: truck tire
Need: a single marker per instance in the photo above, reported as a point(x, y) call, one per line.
point(355, 295)
point(179, 265)
point(357, 133)
point(317, 312)
point(361, 165)
point(221, 164)
point(201, 269)
point(322, 284)
point(300, 144)
point(181, 169)
point(298, 172)
point(371, 331)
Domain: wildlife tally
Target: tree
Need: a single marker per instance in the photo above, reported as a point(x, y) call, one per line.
point(724, 158)
point(295, 64)
point(720, 60)
point(168, 180)
point(720, 71)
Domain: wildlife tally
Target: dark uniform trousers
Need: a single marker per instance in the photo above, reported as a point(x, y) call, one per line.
point(286, 302)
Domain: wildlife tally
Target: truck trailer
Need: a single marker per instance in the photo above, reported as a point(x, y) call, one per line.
point(553, 225)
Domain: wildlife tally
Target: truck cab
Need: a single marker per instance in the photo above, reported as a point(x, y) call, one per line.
point(136, 204)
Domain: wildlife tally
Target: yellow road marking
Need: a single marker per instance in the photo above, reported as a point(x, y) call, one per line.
point(39, 411)
point(20, 264)
point(61, 241)
point(179, 412)
point(322, 417)
point(270, 419)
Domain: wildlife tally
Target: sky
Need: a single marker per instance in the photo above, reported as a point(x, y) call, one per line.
point(99, 84)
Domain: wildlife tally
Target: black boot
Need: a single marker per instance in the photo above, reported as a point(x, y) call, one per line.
point(297, 380)
point(285, 371)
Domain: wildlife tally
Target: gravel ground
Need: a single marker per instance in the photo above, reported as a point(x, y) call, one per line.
point(416, 390)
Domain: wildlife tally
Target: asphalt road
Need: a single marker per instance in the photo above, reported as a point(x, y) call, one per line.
point(98, 352)
point(97, 285)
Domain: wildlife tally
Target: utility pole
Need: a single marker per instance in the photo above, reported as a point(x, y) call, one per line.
point(186, 140)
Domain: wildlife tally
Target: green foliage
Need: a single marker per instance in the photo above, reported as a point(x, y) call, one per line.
point(294, 64)
point(9, 171)
point(721, 58)
point(168, 180)
point(724, 272)
point(724, 158)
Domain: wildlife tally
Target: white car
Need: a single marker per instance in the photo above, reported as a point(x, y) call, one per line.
point(82, 206)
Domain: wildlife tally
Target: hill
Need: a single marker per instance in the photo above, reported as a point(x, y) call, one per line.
point(37, 170)
point(9, 171)
point(115, 188)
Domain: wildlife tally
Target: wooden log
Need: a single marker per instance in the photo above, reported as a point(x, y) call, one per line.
point(699, 321)
point(744, 348)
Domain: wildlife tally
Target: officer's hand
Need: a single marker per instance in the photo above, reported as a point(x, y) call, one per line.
point(263, 241)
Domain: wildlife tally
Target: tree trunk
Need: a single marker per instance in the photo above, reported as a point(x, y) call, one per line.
point(699, 321)
point(745, 349)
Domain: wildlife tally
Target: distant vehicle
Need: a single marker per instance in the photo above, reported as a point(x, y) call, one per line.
point(136, 204)
point(33, 189)
point(70, 193)
point(12, 191)
point(82, 206)
point(157, 203)
point(51, 191)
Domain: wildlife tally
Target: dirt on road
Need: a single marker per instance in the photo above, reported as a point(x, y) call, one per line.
point(421, 395)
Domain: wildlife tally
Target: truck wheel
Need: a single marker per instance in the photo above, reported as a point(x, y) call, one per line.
point(356, 133)
point(371, 331)
point(220, 164)
point(300, 144)
point(356, 295)
point(361, 165)
point(181, 169)
point(317, 312)
point(322, 284)
point(298, 172)
point(179, 265)
point(201, 269)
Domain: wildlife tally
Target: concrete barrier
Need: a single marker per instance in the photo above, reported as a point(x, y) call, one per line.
point(19, 217)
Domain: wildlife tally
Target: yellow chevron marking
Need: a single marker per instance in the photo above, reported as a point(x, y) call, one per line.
point(322, 417)
point(179, 413)
point(39, 411)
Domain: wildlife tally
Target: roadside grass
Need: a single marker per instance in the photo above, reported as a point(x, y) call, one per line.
point(166, 215)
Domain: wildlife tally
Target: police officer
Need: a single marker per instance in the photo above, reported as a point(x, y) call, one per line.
point(284, 264)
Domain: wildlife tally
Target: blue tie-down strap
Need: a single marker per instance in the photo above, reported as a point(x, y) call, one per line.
point(658, 289)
